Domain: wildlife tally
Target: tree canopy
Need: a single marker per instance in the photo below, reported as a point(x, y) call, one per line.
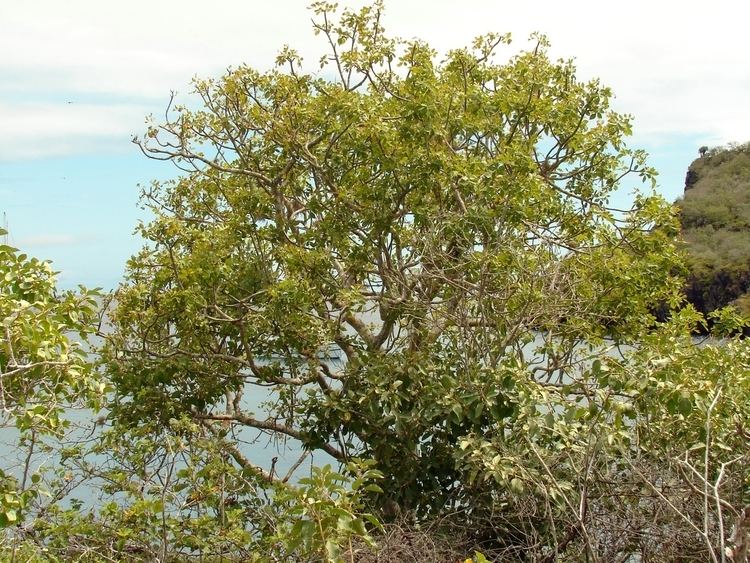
point(425, 220)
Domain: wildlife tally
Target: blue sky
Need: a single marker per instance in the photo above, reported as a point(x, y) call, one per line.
point(79, 77)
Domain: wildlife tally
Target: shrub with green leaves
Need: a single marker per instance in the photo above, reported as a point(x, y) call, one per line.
point(44, 367)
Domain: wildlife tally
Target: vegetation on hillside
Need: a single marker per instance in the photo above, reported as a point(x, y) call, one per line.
point(408, 268)
point(715, 215)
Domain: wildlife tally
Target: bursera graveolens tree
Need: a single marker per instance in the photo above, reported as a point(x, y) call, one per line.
point(441, 223)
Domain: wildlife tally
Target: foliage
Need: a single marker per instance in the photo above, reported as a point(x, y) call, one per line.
point(644, 454)
point(175, 496)
point(715, 215)
point(43, 370)
point(158, 496)
point(404, 263)
point(325, 513)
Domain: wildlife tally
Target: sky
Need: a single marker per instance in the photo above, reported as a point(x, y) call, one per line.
point(78, 78)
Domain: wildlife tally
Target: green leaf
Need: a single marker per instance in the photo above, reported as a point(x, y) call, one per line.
point(333, 551)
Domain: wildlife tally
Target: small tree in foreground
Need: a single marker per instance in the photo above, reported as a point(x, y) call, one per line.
point(415, 261)
point(44, 369)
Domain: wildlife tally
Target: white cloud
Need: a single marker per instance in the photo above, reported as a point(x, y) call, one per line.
point(140, 48)
point(51, 240)
point(679, 68)
point(31, 130)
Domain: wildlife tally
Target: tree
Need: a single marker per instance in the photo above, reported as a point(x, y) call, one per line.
point(44, 367)
point(403, 259)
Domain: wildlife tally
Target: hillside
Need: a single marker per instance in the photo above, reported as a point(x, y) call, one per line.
point(715, 214)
